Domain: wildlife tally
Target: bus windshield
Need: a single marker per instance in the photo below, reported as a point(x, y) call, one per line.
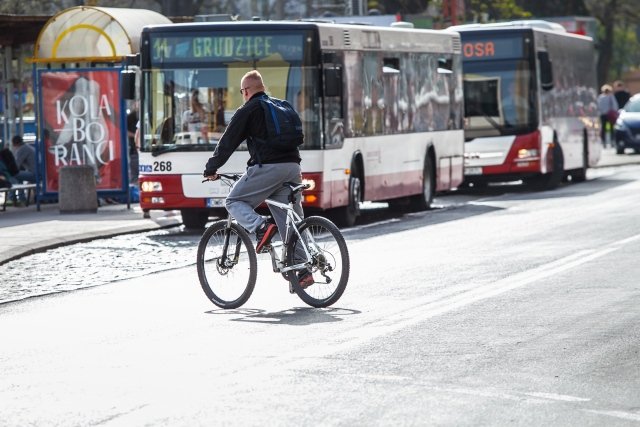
point(499, 98)
point(193, 87)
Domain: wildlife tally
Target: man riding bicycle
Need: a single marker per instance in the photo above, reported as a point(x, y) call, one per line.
point(267, 169)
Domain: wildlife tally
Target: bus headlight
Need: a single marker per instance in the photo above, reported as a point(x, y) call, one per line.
point(310, 182)
point(528, 153)
point(151, 186)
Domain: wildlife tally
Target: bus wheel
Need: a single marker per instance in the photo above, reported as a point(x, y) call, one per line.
point(552, 179)
point(194, 219)
point(422, 201)
point(346, 216)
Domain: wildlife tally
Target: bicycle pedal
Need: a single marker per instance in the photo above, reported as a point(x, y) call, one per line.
point(265, 249)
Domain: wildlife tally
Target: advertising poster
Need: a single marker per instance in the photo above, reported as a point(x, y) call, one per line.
point(82, 125)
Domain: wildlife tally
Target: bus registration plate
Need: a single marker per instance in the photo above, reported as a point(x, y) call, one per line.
point(215, 202)
point(473, 171)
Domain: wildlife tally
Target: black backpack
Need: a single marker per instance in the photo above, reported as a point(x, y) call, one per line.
point(284, 128)
point(10, 162)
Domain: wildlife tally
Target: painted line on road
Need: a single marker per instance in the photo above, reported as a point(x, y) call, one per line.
point(618, 414)
point(559, 397)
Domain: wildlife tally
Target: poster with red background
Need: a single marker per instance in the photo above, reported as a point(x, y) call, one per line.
point(82, 125)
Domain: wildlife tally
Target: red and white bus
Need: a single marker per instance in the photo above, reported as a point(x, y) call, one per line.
point(530, 103)
point(382, 110)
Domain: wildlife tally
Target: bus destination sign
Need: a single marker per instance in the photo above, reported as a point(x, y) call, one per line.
point(191, 48)
point(495, 48)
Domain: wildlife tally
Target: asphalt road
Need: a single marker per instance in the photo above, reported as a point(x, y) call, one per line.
point(507, 307)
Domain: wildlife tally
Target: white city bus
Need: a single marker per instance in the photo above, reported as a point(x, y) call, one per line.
point(382, 110)
point(530, 103)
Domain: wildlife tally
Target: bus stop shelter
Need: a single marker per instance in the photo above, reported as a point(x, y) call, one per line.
point(78, 59)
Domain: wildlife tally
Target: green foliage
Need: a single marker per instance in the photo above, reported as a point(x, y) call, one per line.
point(495, 10)
point(542, 9)
point(626, 52)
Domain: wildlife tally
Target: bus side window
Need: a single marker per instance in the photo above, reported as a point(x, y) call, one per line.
point(332, 81)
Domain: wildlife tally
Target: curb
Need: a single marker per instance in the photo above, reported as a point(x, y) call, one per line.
point(45, 245)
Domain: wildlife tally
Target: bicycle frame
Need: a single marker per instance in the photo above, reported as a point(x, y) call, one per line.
point(292, 219)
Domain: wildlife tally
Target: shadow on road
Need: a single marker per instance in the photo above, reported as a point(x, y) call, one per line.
point(298, 316)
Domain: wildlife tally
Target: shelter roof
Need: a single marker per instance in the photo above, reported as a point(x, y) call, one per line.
point(86, 33)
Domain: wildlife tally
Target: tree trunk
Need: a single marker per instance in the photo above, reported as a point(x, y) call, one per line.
point(606, 44)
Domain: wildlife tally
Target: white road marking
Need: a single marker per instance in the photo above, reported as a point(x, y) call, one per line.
point(560, 397)
point(618, 414)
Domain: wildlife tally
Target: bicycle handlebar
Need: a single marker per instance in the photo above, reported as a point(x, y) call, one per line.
point(233, 177)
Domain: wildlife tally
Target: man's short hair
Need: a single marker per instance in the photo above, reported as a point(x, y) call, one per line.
point(17, 140)
point(255, 77)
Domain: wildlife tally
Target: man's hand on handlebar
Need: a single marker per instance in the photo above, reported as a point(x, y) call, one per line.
point(213, 177)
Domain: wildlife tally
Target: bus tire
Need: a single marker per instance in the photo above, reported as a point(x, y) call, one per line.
point(550, 180)
point(422, 201)
point(194, 219)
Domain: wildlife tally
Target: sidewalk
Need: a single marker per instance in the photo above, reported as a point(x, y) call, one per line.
point(25, 230)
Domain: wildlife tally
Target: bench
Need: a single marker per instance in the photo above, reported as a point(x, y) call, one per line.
point(28, 188)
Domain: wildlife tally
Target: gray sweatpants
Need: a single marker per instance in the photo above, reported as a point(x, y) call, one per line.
point(257, 184)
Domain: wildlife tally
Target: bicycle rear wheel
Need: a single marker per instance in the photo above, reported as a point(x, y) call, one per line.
point(330, 261)
point(227, 264)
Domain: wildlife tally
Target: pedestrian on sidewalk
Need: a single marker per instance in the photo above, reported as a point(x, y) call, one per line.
point(607, 108)
point(621, 93)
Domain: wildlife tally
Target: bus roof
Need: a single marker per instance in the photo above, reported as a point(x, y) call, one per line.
point(517, 26)
point(337, 36)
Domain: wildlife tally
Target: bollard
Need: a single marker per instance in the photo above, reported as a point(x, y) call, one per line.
point(77, 190)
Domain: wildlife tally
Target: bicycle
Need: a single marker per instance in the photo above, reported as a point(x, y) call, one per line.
point(226, 250)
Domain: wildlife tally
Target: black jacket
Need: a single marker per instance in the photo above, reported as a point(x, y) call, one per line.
point(247, 123)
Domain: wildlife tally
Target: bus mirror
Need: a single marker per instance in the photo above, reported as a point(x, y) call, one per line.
point(128, 84)
point(546, 71)
point(333, 81)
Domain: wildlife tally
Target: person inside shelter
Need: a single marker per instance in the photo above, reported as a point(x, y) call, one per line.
point(25, 159)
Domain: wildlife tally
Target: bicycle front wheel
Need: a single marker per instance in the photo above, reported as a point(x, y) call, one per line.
point(329, 261)
point(227, 264)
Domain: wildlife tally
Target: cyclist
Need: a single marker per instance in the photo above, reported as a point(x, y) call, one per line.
point(267, 169)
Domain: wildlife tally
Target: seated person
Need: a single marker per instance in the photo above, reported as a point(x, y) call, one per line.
point(25, 156)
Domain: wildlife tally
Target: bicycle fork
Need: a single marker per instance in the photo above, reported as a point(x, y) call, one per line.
point(224, 259)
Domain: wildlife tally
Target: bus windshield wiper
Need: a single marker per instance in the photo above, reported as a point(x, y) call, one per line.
point(164, 149)
point(181, 147)
point(492, 122)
